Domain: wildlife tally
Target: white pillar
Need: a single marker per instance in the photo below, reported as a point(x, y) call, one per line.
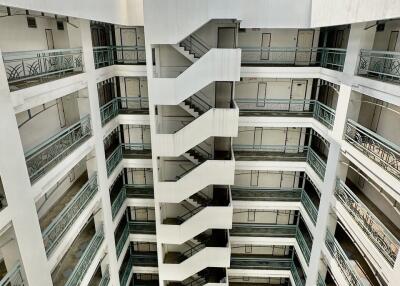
point(102, 179)
point(327, 196)
point(16, 183)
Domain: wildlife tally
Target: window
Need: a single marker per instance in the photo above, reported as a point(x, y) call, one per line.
point(31, 22)
point(60, 25)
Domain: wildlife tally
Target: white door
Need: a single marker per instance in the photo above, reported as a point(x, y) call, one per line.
point(304, 44)
point(132, 89)
point(128, 40)
point(299, 88)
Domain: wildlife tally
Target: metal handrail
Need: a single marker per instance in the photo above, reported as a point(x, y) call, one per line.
point(343, 262)
point(126, 272)
point(26, 65)
point(270, 148)
point(118, 202)
point(122, 240)
point(64, 220)
point(296, 277)
point(44, 156)
point(377, 232)
point(148, 227)
point(383, 64)
point(324, 114)
point(114, 159)
point(195, 45)
point(86, 259)
point(111, 55)
point(112, 108)
point(303, 245)
point(318, 165)
point(309, 206)
point(13, 277)
point(105, 279)
point(320, 281)
point(382, 151)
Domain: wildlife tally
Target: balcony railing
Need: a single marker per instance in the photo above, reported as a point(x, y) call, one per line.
point(118, 202)
point(105, 279)
point(375, 147)
point(46, 155)
point(309, 206)
point(318, 165)
point(122, 105)
point(122, 240)
point(324, 57)
point(13, 277)
point(126, 272)
point(253, 262)
point(86, 259)
point(387, 244)
point(119, 55)
point(320, 281)
point(343, 262)
point(65, 219)
point(263, 229)
point(296, 276)
point(383, 65)
point(41, 65)
point(300, 107)
point(142, 227)
point(303, 245)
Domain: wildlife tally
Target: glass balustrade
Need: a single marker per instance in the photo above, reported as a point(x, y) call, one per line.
point(86, 259)
point(387, 244)
point(48, 154)
point(383, 65)
point(53, 234)
point(380, 150)
point(34, 67)
point(118, 55)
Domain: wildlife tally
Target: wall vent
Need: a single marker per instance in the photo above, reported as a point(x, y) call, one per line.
point(31, 22)
point(60, 25)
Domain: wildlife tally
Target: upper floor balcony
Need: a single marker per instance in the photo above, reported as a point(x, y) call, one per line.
point(40, 48)
point(117, 45)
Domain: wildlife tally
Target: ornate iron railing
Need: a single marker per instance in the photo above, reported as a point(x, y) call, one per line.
point(13, 277)
point(343, 262)
point(380, 236)
point(118, 55)
point(383, 65)
point(86, 259)
point(118, 202)
point(320, 281)
point(309, 206)
point(318, 165)
point(296, 276)
point(41, 64)
point(105, 279)
point(122, 240)
point(120, 104)
point(65, 219)
point(303, 245)
point(46, 155)
point(375, 147)
point(114, 159)
point(324, 114)
point(325, 57)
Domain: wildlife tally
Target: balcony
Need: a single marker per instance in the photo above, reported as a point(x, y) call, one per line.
point(13, 277)
point(29, 68)
point(123, 105)
point(287, 108)
point(119, 55)
point(379, 65)
point(381, 231)
point(127, 151)
point(378, 149)
point(49, 153)
point(59, 219)
point(331, 58)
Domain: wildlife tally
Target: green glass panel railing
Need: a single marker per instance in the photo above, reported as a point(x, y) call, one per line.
point(270, 194)
point(252, 262)
point(383, 65)
point(380, 150)
point(262, 229)
point(13, 277)
point(86, 259)
point(65, 219)
point(122, 240)
point(387, 244)
point(120, 105)
point(309, 206)
point(46, 155)
point(320, 281)
point(118, 202)
point(118, 55)
point(142, 227)
point(305, 249)
point(126, 272)
point(105, 279)
point(41, 64)
point(343, 262)
point(318, 165)
point(296, 276)
point(114, 159)
point(324, 57)
point(281, 107)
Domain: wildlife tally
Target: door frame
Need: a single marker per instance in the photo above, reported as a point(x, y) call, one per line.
point(397, 38)
point(291, 88)
point(122, 44)
point(47, 39)
point(234, 35)
point(297, 42)
point(269, 45)
point(265, 94)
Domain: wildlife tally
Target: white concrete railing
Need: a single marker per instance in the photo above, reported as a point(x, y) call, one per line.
point(221, 257)
point(212, 172)
point(212, 217)
point(221, 122)
point(215, 65)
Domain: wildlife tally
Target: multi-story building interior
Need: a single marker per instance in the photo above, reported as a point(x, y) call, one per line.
point(200, 142)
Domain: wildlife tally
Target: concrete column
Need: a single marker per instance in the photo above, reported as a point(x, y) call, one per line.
point(16, 183)
point(327, 196)
point(102, 179)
